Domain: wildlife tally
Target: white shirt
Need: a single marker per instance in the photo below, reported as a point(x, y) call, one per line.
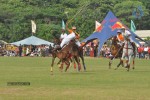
point(63, 36)
point(127, 35)
point(146, 49)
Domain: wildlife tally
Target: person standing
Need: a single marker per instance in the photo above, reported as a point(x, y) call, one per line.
point(145, 51)
point(149, 52)
point(50, 49)
point(20, 50)
point(140, 51)
point(27, 51)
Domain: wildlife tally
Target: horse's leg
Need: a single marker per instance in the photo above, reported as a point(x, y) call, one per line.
point(79, 65)
point(128, 67)
point(120, 63)
point(128, 64)
point(53, 59)
point(82, 58)
point(74, 63)
point(62, 65)
point(133, 63)
point(68, 64)
point(71, 62)
point(110, 62)
point(129, 60)
point(59, 63)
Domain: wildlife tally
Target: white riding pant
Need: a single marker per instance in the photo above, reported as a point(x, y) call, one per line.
point(67, 39)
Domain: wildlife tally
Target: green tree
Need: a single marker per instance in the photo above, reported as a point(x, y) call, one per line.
point(16, 16)
point(123, 11)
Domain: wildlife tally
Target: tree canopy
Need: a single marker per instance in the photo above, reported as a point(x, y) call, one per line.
point(16, 16)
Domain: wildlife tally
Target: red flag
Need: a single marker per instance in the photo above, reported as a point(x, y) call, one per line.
point(98, 26)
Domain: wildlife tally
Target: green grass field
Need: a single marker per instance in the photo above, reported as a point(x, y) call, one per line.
point(97, 83)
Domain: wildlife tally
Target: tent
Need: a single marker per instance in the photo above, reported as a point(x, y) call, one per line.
point(3, 42)
point(32, 40)
point(109, 27)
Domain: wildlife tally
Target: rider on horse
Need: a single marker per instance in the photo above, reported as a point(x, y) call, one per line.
point(127, 36)
point(128, 45)
point(124, 35)
point(120, 37)
point(63, 34)
point(73, 35)
point(117, 42)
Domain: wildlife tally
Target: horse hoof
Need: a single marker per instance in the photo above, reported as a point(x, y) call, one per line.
point(125, 66)
point(133, 68)
point(51, 73)
point(61, 70)
point(79, 70)
point(59, 65)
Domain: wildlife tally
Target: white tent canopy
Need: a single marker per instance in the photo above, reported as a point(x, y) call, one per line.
point(32, 40)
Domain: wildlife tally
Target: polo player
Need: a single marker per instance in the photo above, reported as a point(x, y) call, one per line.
point(120, 37)
point(63, 34)
point(128, 46)
point(73, 35)
point(127, 36)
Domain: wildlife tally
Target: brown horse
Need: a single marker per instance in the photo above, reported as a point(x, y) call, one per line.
point(64, 53)
point(57, 42)
point(116, 52)
point(76, 52)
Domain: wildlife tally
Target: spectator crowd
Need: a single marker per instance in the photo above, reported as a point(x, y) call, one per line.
point(142, 52)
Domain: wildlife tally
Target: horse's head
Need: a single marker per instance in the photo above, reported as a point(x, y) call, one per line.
point(72, 42)
point(114, 40)
point(57, 41)
point(114, 46)
point(54, 52)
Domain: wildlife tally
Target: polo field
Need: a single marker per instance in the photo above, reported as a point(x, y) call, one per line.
point(98, 82)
